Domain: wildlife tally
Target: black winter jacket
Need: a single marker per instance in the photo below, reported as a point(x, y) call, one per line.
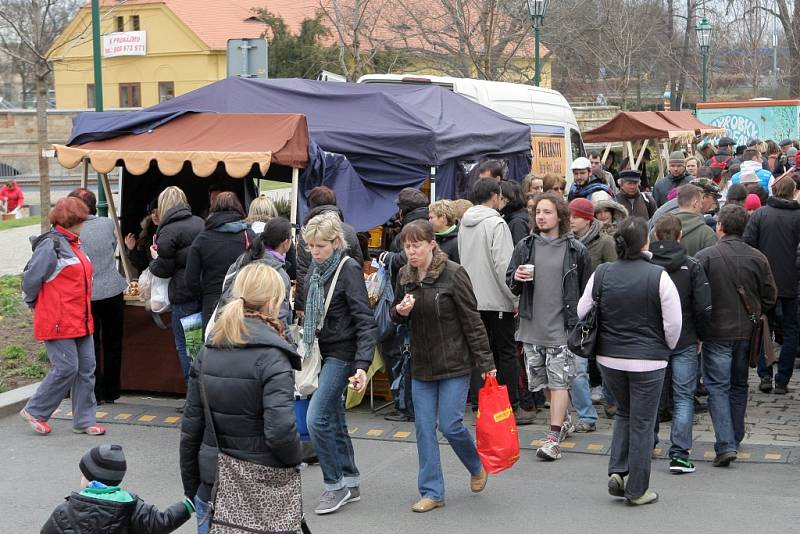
point(304, 256)
point(448, 337)
point(81, 514)
point(775, 230)
point(212, 253)
point(173, 238)
point(349, 332)
point(690, 279)
point(577, 270)
point(449, 245)
point(519, 222)
point(418, 214)
point(729, 320)
point(250, 392)
point(666, 184)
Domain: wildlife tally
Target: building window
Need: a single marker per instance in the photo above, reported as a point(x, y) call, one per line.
point(90, 101)
point(135, 23)
point(120, 24)
point(166, 91)
point(130, 95)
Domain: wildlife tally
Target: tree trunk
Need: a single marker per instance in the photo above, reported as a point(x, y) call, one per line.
point(681, 89)
point(41, 143)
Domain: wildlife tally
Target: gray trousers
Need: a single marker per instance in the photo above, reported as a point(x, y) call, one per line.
point(637, 396)
point(73, 369)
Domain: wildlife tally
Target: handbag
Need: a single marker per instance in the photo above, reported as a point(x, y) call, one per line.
point(306, 380)
point(582, 341)
point(386, 327)
point(249, 497)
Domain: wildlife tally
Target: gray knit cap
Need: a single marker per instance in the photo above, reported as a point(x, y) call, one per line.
point(105, 464)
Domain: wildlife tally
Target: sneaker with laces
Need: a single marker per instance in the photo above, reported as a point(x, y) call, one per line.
point(679, 466)
point(330, 501)
point(616, 485)
point(38, 426)
point(567, 429)
point(649, 497)
point(583, 427)
point(355, 494)
point(549, 451)
point(766, 385)
point(597, 395)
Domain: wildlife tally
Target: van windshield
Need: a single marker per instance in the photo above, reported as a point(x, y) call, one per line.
point(576, 143)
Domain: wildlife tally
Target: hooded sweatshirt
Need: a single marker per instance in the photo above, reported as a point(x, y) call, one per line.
point(697, 235)
point(764, 175)
point(485, 248)
point(547, 327)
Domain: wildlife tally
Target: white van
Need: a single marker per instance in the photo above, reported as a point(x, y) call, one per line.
point(555, 136)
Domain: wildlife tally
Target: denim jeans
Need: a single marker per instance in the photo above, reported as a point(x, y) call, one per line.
point(203, 517)
point(328, 428)
point(684, 383)
point(637, 396)
point(725, 373)
point(581, 394)
point(179, 311)
point(787, 311)
point(442, 401)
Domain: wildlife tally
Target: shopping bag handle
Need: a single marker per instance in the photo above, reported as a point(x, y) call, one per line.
point(491, 382)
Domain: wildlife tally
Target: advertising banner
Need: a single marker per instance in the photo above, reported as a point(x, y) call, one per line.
point(744, 121)
point(125, 44)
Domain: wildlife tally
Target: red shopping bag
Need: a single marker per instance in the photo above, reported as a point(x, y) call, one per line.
point(496, 428)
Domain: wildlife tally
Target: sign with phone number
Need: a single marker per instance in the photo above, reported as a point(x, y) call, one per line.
point(125, 44)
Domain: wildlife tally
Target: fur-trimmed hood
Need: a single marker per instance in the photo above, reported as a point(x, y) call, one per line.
point(408, 274)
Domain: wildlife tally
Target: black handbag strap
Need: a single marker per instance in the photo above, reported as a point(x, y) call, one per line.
point(597, 286)
point(738, 287)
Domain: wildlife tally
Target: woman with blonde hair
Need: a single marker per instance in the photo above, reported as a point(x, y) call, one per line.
point(176, 231)
point(247, 372)
point(347, 335)
point(261, 210)
point(532, 185)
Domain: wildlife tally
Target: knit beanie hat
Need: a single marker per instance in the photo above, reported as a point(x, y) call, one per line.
point(105, 464)
point(583, 208)
point(677, 157)
point(752, 202)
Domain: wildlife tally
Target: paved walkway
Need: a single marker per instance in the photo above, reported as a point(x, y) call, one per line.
point(16, 248)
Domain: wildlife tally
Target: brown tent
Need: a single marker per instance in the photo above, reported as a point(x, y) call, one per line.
point(686, 121)
point(638, 126)
point(204, 140)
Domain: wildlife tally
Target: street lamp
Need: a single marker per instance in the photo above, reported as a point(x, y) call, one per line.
point(703, 30)
point(537, 10)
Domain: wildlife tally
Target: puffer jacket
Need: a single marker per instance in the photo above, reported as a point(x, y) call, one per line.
point(447, 334)
point(174, 236)
point(775, 231)
point(250, 392)
point(448, 243)
point(57, 283)
point(83, 514)
point(577, 270)
point(418, 214)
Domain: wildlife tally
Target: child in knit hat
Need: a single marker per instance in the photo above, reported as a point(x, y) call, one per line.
point(102, 506)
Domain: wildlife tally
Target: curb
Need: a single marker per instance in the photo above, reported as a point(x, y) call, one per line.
point(13, 401)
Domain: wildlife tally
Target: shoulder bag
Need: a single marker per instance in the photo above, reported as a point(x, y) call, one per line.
point(582, 340)
point(249, 497)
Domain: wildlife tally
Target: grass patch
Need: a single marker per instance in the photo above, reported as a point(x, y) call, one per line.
point(41, 355)
point(19, 223)
point(13, 352)
point(33, 370)
point(10, 295)
point(3, 387)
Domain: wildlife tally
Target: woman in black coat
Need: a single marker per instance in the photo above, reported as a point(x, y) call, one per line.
point(515, 212)
point(247, 369)
point(224, 239)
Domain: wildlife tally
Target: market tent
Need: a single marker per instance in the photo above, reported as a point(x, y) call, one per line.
point(638, 126)
point(685, 120)
point(366, 141)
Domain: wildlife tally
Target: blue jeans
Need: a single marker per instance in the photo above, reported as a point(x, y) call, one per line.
point(203, 517)
point(442, 400)
point(786, 309)
point(179, 311)
point(328, 428)
point(684, 383)
point(725, 373)
point(581, 394)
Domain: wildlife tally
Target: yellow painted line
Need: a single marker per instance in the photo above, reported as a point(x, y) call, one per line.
point(772, 456)
point(568, 444)
point(656, 451)
point(402, 434)
point(100, 415)
point(375, 432)
point(709, 454)
point(744, 455)
point(352, 430)
point(147, 418)
point(594, 446)
point(123, 416)
point(537, 443)
point(172, 419)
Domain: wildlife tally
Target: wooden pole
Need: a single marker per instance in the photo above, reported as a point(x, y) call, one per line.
point(112, 211)
point(85, 174)
point(295, 193)
point(629, 146)
point(641, 153)
point(606, 152)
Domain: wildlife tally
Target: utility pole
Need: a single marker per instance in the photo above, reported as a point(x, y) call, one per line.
point(102, 203)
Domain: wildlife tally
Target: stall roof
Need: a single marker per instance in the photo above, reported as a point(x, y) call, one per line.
point(204, 140)
point(685, 120)
point(637, 126)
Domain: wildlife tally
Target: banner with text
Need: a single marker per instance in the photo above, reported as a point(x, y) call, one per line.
point(124, 44)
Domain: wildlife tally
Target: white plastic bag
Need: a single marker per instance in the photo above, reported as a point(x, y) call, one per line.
point(159, 295)
point(145, 285)
point(306, 381)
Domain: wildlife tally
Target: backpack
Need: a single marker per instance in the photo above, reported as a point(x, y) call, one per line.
point(717, 164)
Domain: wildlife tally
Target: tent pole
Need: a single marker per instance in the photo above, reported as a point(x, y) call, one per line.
point(629, 146)
point(641, 153)
point(85, 173)
point(433, 183)
point(605, 153)
point(112, 211)
point(295, 190)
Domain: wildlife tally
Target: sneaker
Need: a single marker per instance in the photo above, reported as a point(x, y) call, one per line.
point(355, 494)
point(766, 385)
point(679, 466)
point(780, 389)
point(616, 485)
point(567, 429)
point(38, 426)
point(724, 459)
point(597, 395)
point(330, 501)
point(583, 426)
point(94, 430)
point(649, 497)
point(550, 451)
point(523, 417)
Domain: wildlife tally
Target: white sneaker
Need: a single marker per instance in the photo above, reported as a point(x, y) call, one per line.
point(597, 395)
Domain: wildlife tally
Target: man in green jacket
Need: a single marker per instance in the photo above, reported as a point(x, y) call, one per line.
point(697, 235)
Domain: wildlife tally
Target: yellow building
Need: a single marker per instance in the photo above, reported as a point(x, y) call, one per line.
point(185, 48)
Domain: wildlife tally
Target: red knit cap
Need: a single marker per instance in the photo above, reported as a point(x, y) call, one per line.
point(583, 208)
point(752, 202)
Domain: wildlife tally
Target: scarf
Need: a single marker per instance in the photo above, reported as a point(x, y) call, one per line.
point(447, 232)
point(315, 298)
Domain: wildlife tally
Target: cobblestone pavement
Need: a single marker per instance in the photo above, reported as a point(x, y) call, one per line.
point(15, 248)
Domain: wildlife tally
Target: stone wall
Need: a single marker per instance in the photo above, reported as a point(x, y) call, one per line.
point(18, 140)
point(590, 117)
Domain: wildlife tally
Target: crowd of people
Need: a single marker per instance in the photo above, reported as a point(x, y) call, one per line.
point(490, 286)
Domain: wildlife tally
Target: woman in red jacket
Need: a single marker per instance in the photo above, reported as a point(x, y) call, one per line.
point(11, 197)
point(57, 284)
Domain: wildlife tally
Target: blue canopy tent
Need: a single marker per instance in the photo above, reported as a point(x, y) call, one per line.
point(366, 141)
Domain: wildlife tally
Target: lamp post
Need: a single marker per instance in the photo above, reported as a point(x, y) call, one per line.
point(102, 203)
point(704, 30)
point(537, 10)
